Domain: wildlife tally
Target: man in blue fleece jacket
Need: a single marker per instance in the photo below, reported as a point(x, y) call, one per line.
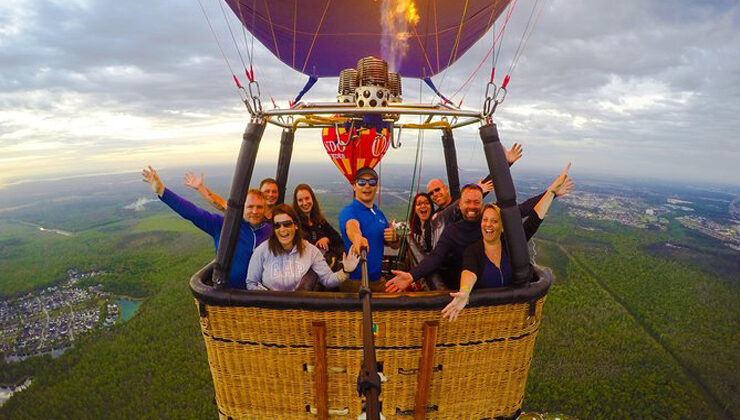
point(252, 233)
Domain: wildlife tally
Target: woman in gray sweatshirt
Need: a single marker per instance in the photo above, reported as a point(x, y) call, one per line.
point(280, 262)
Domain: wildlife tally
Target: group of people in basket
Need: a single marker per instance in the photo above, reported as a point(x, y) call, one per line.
point(288, 248)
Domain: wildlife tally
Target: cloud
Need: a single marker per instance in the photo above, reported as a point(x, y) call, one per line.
point(634, 87)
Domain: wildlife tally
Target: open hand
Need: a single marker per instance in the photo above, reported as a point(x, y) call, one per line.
point(486, 186)
point(513, 154)
point(453, 309)
point(349, 262)
point(151, 177)
point(193, 181)
point(400, 282)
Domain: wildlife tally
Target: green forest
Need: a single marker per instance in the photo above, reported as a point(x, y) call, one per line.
point(627, 332)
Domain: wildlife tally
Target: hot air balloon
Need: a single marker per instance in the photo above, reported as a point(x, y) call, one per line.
point(351, 150)
point(305, 364)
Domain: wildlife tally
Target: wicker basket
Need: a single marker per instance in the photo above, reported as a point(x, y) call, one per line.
point(272, 355)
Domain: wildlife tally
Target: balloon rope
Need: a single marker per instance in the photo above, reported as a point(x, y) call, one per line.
point(244, 32)
point(503, 28)
point(223, 54)
point(295, 23)
point(436, 32)
point(534, 16)
point(315, 35)
point(380, 185)
point(228, 25)
point(454, 47)
point(424, 51)
point(272, 29)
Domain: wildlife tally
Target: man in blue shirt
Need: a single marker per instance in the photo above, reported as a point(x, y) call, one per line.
point(363, 225)
point(253, 230)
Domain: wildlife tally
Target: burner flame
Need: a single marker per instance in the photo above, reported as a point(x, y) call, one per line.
point(397, 19)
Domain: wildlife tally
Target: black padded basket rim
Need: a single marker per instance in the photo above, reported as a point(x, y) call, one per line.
point(331, 301)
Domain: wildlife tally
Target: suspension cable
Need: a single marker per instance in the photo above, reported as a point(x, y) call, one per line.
point(534, 16)
point(239, 86)
point(512, 5)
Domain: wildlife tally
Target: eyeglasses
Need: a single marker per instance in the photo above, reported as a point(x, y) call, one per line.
point(362, 181)
point(435, 190)
point(285, 224)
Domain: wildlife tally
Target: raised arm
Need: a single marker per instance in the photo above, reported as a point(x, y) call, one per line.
point(151, 177)
point(561, 186)
point(205, 221)
point(513, 154)
point(209, 196)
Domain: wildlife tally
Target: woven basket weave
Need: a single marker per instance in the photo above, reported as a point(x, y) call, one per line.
point(262, 358)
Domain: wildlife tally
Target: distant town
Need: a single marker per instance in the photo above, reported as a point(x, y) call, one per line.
point(637, 213)
point(49, 320)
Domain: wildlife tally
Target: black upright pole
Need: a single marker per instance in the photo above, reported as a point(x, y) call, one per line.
point(368, 382)
point(235, 206)
point(503, 187)
point(453, 178)
point(286, 151)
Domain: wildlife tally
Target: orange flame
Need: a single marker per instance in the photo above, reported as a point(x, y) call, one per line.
point(397, 17)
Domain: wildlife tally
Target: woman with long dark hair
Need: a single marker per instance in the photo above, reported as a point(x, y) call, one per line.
point(316, 229)
point(420, 226)
point(281, 262)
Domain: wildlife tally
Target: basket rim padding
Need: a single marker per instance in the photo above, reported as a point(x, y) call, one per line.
point(322, 301)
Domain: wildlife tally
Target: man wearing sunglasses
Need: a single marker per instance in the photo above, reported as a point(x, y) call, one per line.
point(363, 225)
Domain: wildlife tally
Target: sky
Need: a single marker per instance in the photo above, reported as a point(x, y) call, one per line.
point(640, 89)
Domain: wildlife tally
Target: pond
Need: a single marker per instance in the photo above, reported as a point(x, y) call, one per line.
point(128, 308)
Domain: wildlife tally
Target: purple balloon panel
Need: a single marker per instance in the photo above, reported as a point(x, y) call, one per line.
point(323, 37)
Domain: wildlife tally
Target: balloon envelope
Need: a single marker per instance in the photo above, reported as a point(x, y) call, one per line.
point(322, 37)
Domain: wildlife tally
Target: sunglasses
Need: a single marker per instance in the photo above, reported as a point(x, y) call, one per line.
point(435, 190)
point(372, 182)
point(285, 224)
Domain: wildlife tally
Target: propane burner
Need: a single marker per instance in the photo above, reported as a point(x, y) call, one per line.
point(394, 84)
point(372, 71)
point(371, 85)
point(347, 85)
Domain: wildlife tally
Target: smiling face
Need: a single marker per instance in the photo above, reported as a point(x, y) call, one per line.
point(490, 224)
point(284, 227)
point(471, 204)
point(305, 202)
point(423, 208)
point(439, 192)
point(365, 193)
point(270, 191)
point(254, 210)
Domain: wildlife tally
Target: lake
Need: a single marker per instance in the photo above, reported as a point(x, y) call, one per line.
point(128, 308)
